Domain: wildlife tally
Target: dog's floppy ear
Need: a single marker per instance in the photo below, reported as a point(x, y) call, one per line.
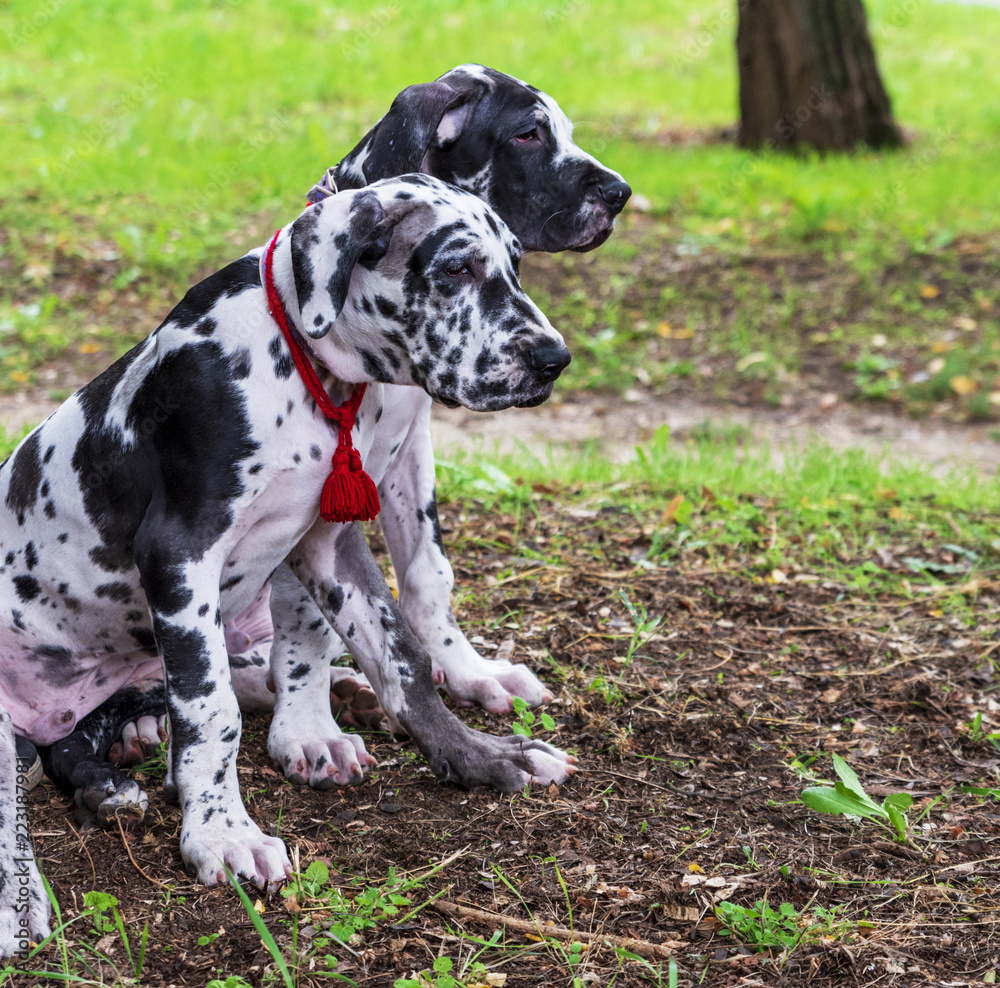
point(432, 112)
point(327, 241)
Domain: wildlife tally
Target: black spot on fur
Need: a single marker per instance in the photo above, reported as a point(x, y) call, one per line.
point(27, 587)
point(283, 365)
point(432, 512)
point(315, 452)
point(335, 600)
point(206, 327)
point(299, 671)
point(118, 591)
point(192, 436)
point(25, 476)
point(374, 367)
point(48, 454)
point(230, 583)
point(203, 610)
point(185, 653)
point(240, 364)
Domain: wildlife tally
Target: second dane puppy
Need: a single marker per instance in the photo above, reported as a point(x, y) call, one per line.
point(154, 504)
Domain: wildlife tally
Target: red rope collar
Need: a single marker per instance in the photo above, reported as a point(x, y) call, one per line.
point(349, 494)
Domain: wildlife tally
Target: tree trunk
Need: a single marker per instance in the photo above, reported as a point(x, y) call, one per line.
point(808, 77)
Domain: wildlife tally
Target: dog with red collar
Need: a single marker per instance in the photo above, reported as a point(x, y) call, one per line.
point(155, 505)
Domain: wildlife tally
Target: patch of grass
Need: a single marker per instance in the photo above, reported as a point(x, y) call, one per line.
point(815, 514)
point(786, 927)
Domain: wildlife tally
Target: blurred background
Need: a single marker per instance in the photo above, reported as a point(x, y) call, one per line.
point(146, 144)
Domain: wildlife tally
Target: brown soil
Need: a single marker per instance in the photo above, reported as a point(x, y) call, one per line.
point(686, 794)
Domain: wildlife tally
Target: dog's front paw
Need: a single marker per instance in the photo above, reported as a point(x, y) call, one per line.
point(102, 803)
point(237, 844)
point(320, 755)
point(24, 907)
point(469, 679)
point(507, 764)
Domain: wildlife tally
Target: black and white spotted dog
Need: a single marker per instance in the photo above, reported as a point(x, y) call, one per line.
point(512, 146)
point(153, 506)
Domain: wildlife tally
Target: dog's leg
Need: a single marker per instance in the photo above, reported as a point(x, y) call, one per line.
point(82, 763)
point(205, 726)
point(335, 564)
point(410, 523)
point(24, 906)
point(305, 741)
point(350, 695)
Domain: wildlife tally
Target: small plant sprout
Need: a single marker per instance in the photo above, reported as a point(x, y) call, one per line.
point(525, 719)
point(786, 927)
point(644, 624)
point(848, 798)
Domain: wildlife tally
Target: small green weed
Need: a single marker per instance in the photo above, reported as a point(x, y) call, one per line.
point(645, 626)
point(977, 735)
point(525, 719)
point(848, 798)
point(440, 976)
point(154, 767)
point(786, 928)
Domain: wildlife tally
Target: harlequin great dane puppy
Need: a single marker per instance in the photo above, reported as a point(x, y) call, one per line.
point(153, 506)
point(511, 145)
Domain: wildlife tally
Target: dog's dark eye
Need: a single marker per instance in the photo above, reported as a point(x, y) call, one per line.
point(528, 135)
point(456, 270)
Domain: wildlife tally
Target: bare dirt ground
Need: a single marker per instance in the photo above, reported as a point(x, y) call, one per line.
point(687, 793)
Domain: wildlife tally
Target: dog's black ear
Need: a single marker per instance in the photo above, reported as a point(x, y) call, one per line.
point(432, 113)
point(327, 241)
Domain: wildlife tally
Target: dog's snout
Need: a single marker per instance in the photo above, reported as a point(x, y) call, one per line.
point(615, 193)
point(549, 360)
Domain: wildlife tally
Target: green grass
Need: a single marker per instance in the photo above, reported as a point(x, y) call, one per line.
point(160, 127)
point(869, 523)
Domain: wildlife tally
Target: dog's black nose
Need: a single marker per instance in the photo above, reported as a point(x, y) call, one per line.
point(549, 360)
point(615, 193)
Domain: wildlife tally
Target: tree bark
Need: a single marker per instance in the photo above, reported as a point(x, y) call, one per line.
point(808, 77)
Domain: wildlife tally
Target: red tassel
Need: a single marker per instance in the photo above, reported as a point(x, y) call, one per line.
point(349, 494)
